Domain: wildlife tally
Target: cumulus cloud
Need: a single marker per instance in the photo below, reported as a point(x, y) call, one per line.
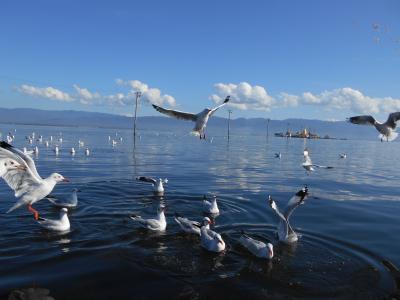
point(45, 92)
point(85, 96)
point(151, 95)
point(244, 96)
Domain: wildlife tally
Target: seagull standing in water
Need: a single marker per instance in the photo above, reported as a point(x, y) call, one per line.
point(308, 165)
point(286, 233)
point(27, 183)
point(386, 130)
point(189, 226)
point(61, 224)
point(210, 240)
point(210, 207)
point(158, 185)
point(200, 119)
point(159, 223)
point(257, 248)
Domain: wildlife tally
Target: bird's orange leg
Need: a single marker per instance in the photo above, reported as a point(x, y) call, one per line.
point(34, 211)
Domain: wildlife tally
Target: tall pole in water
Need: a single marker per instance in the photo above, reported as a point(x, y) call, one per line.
point(268, 128)
point(229, 123)
point(138, 95)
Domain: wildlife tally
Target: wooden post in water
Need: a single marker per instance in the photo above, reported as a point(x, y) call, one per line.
point(268, 128)
point(229, 123)
point(138, 95)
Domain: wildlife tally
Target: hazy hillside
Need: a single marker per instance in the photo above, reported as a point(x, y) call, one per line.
point(216, 125)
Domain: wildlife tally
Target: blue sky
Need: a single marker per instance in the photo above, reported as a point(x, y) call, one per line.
point(278, 59)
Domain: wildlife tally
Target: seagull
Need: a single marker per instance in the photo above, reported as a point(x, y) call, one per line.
point(27, 184)
point(159, 223)
point(69, 202)
point(278, 155)
point(210, 240)
point(386, 130)
point(46, 143)
point(114, 142)
point(210, 207)
point(87, 152)
point(72, 151)
point(308, 165)
point(36, 150)
point(56, 225)
point(201, 118)
point(257, 248)
point(56, 150)
point(9, 165)
point(81, 143)
point(158, 185)
point(27, 152)
point(286, 233)
point(189, 226)
point(343, 155)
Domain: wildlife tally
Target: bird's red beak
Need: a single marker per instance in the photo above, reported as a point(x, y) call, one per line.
point(65, 180)
point(21, 167)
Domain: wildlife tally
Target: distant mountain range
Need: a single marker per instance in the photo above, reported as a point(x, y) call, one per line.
point(216, 125)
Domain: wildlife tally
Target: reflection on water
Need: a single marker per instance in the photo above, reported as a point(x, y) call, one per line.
point(347, 248)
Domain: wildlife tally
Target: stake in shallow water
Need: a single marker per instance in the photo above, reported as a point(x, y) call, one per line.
point(138, 95)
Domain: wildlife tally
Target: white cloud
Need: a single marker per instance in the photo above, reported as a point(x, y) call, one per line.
point(46, 92)
point(85, 96)
point(243, 96)
point(151, 95)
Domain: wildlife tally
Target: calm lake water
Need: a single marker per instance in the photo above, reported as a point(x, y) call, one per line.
point(349, 246)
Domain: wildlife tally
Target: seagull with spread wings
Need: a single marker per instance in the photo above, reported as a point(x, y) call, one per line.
point(29, 187)
point(386, 130)
point(200, 119)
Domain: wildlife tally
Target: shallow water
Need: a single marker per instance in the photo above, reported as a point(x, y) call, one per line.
point(349, 242)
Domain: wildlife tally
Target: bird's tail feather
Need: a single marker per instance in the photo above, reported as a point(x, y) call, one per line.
point(19, 203)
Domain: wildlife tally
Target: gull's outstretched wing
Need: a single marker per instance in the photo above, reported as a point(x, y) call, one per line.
point(146, 179)
point(176, 114)
point(19, 180)
point(362, 120)
point(392, 120)
point(283, 227)
point(219, 106)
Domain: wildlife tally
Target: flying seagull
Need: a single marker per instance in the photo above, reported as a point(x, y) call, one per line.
point(27, 183)
point(286, 233)
point(201, 118)
point(386, 130)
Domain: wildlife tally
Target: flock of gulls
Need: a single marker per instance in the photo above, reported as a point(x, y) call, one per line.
point(18, 170)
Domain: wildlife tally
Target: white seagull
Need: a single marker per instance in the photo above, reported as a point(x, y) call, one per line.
point(158, 185)
point(189, 226)
point(343, 155)
point(285, 232)
point(56, 225)
point(158, 223)
point(201, 118)
point(28, 152)
point(27, 184)
point(386, 130)
point(257, 248)
point(72, 151)
point(210, 240)
point(87, 151)
point(56, 150)
point(278, 155)
point(70, 202)
point(308, 165)
point(210, 207)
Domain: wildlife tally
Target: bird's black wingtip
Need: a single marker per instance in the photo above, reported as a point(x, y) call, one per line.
point(5, 145)
point(227, 99)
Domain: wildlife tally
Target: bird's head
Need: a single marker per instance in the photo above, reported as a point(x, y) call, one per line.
point(10, 164)
point(59, 178)
point(303, 193)
point(207, 221)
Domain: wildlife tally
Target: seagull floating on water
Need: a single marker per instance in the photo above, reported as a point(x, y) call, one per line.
point(343, 155)
point(61, 224)
point(158, 185)
point(278, 155)
point(70, 202)
point(27, 183)
point(210, 207)
point(27, 152)
point(257, 248)
point(201, 118)
point(72, 151)
point(210, 240)
point(386, 130)
point(189, 226)
point(285, 232)
point(158, 223)
point(56, 150)
point(87, 151)
point(308, 165)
